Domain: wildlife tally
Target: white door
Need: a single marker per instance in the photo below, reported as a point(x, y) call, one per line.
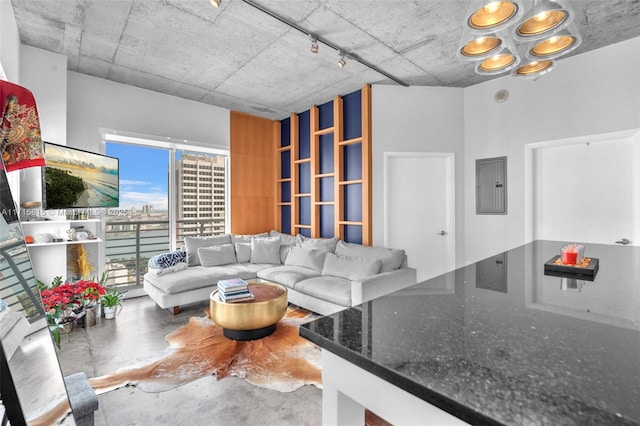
point(587, 190)
point(420, 209)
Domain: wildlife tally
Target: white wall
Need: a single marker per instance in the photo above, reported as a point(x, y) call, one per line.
point(9, 42)
point(95, 103)
point(73, 107)
point(417, 119)
point(591, 93)
point(45, 74)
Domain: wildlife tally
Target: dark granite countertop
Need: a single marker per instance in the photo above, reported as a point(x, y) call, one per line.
point(500, 342)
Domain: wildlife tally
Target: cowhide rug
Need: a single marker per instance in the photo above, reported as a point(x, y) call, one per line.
point(282, 361)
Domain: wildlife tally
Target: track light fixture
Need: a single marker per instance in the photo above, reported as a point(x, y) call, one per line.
point(216, 3)
point(314, 45)
point(501, 36)
point(343, 55)
point(343, 59)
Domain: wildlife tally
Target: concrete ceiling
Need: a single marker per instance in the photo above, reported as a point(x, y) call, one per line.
point(241, 58)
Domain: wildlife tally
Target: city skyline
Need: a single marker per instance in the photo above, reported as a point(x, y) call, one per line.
point(143, 175)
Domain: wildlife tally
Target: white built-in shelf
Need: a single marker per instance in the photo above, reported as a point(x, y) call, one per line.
point(64, 243)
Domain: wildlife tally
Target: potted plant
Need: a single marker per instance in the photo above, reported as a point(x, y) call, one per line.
point(111, 300)
point(66, 303)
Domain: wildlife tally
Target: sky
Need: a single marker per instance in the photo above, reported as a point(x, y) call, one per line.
point(143, 175)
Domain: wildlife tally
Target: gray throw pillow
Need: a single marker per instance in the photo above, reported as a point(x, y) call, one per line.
point(243, 252)
point(351, 268)
point(307, 258)
point(285, 239)
point(324, 244)
point(265, 250)
point(192, 244)
point(246, 238)
point(391, 258)
point(217, 255)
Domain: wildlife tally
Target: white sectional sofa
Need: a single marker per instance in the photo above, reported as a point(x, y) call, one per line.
point(322, 275)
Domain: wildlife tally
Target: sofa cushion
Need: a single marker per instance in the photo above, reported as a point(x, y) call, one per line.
point(192, 244)
point(287, 275)
point(243, 252)
point(351, 268)
point(308, 258)
point(391, 258)
point(217, 255)
point(195, 277)
point(246, 238)
point(265, 250)
point(167, 260)
point(324, 244)
point(332, 289)
point(284, 252)
point(285, 239)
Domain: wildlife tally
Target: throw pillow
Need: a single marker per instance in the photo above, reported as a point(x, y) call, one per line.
point(246, 238)
point(324, 244)
point(167, 260)
point(192, 245)
point(243, 252)
point(217, 255)
point(351, 268)
point(308, 258)
point(284, 252)
point(391, 258)
point(265, 250)
point(177, 267)
point(285, 239)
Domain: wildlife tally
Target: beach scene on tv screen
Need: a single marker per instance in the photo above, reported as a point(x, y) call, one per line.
point(76, 178)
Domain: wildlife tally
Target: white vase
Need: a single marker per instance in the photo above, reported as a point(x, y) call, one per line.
point(110, 311)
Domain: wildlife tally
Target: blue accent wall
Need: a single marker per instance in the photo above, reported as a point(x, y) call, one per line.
point(285, 164)
point(326, 222)
point(353, 234)
point(353, 202)
point(325, 146)
point(305, 211)
point(306, 232)
point(304, 135)
point(324, 159)
point(285, 192)
point(285, 214)
point(352, 115)
point(285, 132)
point(304, 178)
point(353, 161)
point(325, 113)
point(326, 189)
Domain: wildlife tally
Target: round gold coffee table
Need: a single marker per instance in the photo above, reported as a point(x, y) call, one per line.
point(253, 319)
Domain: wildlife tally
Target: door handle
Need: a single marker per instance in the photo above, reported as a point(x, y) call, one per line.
point(623, 241)
point(442, 233)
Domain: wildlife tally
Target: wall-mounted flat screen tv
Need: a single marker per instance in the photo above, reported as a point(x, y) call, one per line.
point(74, 178)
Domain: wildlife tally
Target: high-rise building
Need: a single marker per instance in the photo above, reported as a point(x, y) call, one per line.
point(201, 193)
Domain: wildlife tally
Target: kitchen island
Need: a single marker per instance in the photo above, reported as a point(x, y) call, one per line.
point(496, 342)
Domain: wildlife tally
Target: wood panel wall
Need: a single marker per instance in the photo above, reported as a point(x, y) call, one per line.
point(253, 146)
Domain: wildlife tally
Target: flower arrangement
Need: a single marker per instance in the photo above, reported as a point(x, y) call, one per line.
point(66, 302)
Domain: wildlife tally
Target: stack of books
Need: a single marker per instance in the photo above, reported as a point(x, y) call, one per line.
point(234, 290)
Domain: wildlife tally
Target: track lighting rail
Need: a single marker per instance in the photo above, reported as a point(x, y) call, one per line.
point(349, 55)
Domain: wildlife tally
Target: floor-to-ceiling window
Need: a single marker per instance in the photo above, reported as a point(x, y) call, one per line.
point(167, 191)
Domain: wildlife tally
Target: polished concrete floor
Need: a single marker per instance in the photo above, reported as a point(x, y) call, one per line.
point(137, 333)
